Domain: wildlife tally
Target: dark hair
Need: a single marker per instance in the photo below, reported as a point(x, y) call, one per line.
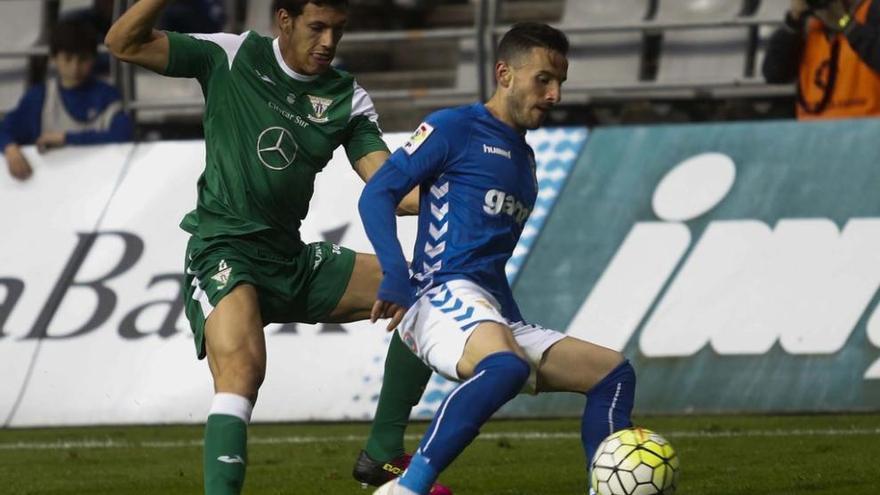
point(524, 36)
point(295, 7)
point(73, 37)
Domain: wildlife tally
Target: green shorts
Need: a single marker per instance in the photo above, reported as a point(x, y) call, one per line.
point(303, 288)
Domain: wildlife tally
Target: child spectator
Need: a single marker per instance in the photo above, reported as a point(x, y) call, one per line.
point(73, 108)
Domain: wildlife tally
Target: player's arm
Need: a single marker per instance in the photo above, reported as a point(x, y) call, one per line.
point(365, 147)
point(425, 155)
point(133, 38)
point(377, 207)
point(370, 163)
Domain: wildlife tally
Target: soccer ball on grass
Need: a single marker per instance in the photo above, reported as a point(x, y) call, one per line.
point(634, 461)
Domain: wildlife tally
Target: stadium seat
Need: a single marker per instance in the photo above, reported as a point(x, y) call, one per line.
point(604, 59)
point(773, 10)
point(21, 27)
point(466, 78)
point(68, 5)
point(150, 87)
point(712, 55)
point(595, 59)
point(259, 17)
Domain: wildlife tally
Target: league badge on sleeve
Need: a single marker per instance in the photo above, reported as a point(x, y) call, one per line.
point(418, 137)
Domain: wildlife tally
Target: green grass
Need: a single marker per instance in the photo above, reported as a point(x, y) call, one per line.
point(720, 455)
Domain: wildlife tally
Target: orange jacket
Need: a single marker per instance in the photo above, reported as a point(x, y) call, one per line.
point(856, 87)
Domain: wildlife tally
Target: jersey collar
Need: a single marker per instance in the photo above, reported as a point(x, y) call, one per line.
point(276, 48)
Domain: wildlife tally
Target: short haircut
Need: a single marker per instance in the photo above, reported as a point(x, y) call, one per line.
point(74, 37)
point(295, 7)
point(524, 36)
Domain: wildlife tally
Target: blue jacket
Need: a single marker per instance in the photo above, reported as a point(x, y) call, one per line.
point(23, 125)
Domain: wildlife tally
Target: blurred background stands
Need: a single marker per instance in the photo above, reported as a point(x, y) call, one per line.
point(631, 61)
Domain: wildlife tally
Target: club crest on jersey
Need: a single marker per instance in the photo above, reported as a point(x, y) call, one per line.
point(418, 137)
point(319, 109)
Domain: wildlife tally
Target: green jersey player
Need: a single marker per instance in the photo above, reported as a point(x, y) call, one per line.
point(275, 110)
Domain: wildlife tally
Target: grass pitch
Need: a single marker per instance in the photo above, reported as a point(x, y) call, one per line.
point(720, 455)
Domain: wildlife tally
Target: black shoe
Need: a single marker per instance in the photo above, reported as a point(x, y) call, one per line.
point(376, 473)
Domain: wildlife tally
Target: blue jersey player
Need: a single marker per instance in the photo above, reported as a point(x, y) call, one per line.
point(476, 177)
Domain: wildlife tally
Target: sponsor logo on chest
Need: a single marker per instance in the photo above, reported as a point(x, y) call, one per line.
point(276, 148)
point(288, 114)
point(497, 202)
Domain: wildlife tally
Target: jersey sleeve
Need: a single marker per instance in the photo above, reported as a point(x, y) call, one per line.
point(198, 55)
point(364, 134)
point(430, 149)
point(376, 206)
point(427, 153)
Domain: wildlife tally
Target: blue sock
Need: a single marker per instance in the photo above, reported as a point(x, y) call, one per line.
point(497, 379)
point(608, 409)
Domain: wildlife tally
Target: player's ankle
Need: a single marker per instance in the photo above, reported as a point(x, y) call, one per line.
point(419, 476)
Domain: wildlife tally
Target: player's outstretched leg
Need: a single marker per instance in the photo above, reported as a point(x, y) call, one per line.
point(236, 351)
point(499, 374)
point(402, 387)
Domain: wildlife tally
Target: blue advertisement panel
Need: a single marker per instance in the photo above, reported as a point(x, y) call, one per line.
point(736, 265)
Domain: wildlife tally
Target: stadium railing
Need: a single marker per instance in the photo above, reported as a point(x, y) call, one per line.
point(483, 35)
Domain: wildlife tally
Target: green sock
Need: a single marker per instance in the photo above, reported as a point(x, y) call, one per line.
point(225, 454)
point(405, 379)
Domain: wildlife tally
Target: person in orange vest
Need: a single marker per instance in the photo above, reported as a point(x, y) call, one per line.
point(831, 48)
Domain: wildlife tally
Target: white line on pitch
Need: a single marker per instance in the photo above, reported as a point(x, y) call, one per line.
point(533, 435)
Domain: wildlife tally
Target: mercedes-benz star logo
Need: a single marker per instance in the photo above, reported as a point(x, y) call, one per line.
point(276, 148)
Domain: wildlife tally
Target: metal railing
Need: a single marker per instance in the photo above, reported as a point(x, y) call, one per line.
point(484, 32)
point(479, 31)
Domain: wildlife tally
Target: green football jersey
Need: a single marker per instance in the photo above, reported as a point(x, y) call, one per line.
point(268, 132)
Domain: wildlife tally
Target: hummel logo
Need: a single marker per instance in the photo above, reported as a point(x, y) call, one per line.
point(494, 150)
point(235, 459)
point(264, 77)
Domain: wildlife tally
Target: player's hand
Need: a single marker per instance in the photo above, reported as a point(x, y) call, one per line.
point(49, 140)
point(17, 163)
point(387, 309)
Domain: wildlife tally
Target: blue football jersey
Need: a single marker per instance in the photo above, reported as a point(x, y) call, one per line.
point(477, 187)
